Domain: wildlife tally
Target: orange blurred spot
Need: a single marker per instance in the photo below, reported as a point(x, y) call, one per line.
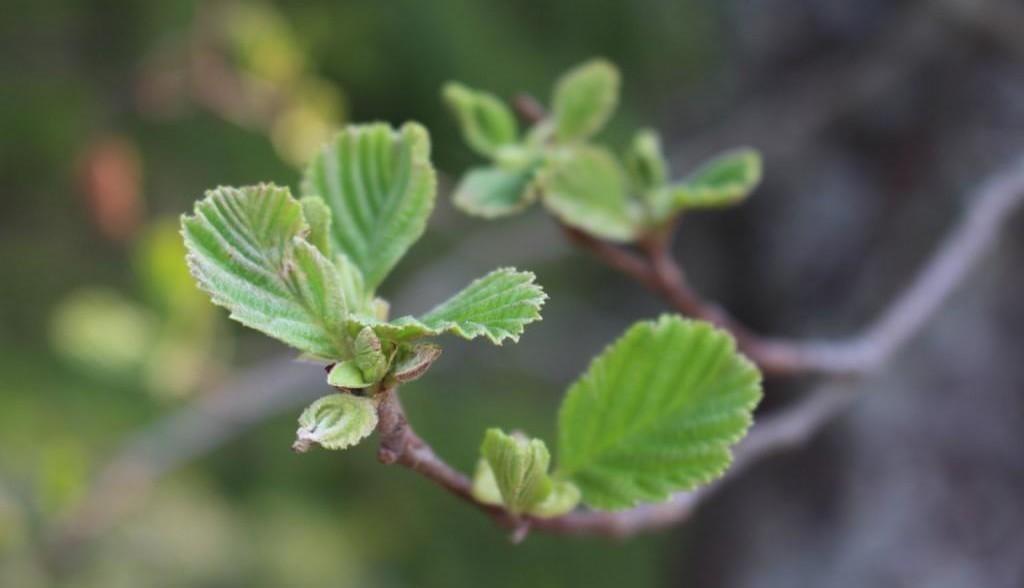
point(110, 179)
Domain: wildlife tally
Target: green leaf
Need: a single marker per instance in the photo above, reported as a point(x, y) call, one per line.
point(487, 123)
point(726, 180)
point(416, 361)
point(353, 287)
point(336, 421)
point(584, 99)
point(520, 468)
point(494, 192)
point(369, 358)
point(563, 498)
point(657, 412)
point(586, 188)
point(346, 374)
point(497, 306)
point(245, 248)
point(318, 217)
point(646, 162)
point(513, 472)
point(380, 186)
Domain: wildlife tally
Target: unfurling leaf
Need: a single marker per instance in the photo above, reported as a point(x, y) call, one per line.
point(380, 186)
point(416, 361)
point(646, 162)
point(723, 181)
point(487, 123)
point(346, 374)
point(494, 192)
point(336, 421)
point(513, 472)
point(246, 249)
point(369, 358)
point(656, 413)
point(584, 99)
point(585, 188)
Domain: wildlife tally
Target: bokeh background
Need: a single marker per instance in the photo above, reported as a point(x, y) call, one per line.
point(144, 440)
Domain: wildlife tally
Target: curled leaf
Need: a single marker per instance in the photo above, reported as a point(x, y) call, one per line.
point(369, 358)
point(416, 361)
point(336, 421)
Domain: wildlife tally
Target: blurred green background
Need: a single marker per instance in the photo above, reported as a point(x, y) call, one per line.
point(122, 464)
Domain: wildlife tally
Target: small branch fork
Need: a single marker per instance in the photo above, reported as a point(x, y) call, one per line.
point(652, 264)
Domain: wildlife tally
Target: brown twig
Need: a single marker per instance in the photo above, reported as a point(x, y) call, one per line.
point(651, 264)
point(995, 201)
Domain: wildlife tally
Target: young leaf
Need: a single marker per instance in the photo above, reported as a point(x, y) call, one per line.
point(646, 162)
point(318, 217)
point(487, 123)
point(723, 181)
point(416, 361)
point(336, 421)
point(493, 192)
point(380, 186)
point(497, 306)
point(585, 188)
point(584, 99)
point(520, 468)
point(513, 473)
point(368, 355)
point(656, 413)
point(346, 374)
point(245, 248)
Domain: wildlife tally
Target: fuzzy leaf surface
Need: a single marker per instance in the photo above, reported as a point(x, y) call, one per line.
point(513, 472)
point(487, 123)
point(584, 99)
point(585, 188)
point(657, 412)
point(497, 306)
point(494, 192)
point(380, 187)
point(336, 421)
point(246, 249)
point(725, 180)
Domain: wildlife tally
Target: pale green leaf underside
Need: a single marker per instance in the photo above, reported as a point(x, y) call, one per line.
point(379, 185)
point(584, 99)
point(345, 374)
point(586, 188)
point(725, 180)
point(497, 306)
point(246, 249)
point(494, 192)
point(487, 123)
point(656, 413)
point(337, 421)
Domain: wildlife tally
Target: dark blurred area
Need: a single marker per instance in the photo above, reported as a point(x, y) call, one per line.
point(876, 118)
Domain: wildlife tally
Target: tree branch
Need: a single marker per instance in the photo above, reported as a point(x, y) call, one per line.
point(653, 266)
point(992, 205)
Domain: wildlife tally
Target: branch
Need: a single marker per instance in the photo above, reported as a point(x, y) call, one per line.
point(993, 204)
point(654, 267)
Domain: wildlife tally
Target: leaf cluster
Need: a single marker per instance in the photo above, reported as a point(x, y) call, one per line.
point(582, 183)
